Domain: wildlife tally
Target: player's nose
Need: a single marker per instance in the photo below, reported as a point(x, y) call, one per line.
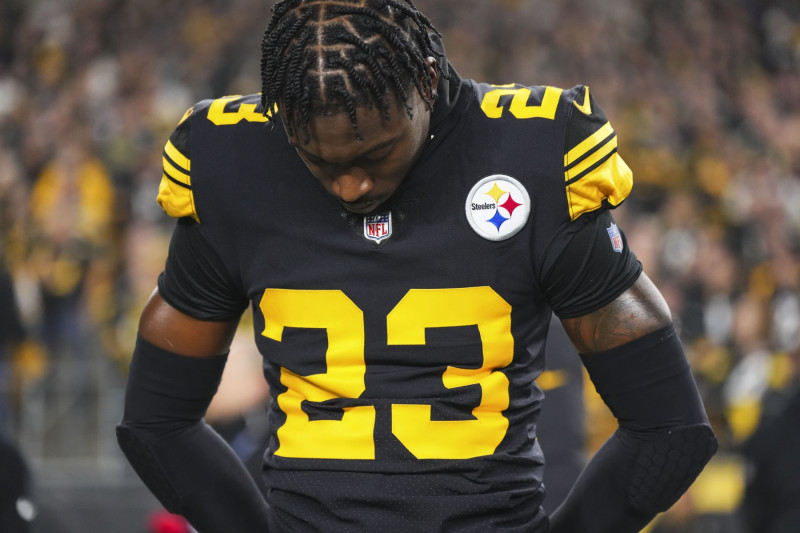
point(352, 184)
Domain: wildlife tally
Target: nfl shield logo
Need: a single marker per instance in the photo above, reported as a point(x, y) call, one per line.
point(616, 238)
point(378, 227)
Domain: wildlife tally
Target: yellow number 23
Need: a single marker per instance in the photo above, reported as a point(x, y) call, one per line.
point(351, 437)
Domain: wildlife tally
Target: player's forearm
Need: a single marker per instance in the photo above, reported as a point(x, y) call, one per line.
point(597, 503)
point(195, 473)
point(663, 442)
point(185, 463)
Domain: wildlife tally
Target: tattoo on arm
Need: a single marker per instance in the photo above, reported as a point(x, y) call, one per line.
point(638, 311)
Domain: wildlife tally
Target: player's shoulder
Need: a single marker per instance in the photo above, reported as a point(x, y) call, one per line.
point(515, 101)
point(230, 110)
point(568, 125)
point(595, 174)
point(585, 119)
point(175, 192)
point(233, 110)
point(572, 113)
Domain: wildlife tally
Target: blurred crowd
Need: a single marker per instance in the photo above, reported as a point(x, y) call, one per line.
point(705, 97)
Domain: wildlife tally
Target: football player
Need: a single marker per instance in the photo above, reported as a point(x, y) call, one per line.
point(402, 236)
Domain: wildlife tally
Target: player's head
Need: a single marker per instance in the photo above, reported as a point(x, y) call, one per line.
point(328, 56)
point(354, 82)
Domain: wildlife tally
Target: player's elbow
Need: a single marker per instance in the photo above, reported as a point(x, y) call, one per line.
point(667, 463)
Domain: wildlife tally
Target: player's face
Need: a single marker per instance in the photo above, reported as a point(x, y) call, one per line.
point(363, 174)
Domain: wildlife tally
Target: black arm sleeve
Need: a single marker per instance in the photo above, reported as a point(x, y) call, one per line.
point(663, 442)
point(185, 464)
point(593, 265)
point(195, 280)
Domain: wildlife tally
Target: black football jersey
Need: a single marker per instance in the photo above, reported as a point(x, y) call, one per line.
point(402, 348)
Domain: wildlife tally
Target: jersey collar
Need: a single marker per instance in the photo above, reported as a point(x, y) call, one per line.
point(449, 85)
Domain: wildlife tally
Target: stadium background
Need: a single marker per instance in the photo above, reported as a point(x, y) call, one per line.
point(705, 97)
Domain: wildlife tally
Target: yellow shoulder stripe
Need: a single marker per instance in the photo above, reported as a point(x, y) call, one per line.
point(593, 159)
point(176, 156)
point(175, 173)
point(175, 194)
point(610, 181)
point(588, 144)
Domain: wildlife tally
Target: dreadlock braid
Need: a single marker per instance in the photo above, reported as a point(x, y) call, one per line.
point(330, 56)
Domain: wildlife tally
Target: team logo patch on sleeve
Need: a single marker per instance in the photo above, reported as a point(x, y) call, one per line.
point(615, 236)
point(378, 227)
point(497, 207)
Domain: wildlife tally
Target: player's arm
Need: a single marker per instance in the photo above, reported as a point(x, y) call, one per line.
point(639, 310)
point(176, 368)
point(622, 327)
point(183, 340)
point(636, 362)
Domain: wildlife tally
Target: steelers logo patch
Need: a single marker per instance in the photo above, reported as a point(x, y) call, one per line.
point(497, 207)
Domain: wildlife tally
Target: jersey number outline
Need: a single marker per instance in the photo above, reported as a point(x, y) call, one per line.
point(351, 437)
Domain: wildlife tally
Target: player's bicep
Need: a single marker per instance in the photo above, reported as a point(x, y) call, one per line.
point(170, 329)
point(640, 310)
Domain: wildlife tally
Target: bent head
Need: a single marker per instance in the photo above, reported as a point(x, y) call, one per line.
point(355, 82)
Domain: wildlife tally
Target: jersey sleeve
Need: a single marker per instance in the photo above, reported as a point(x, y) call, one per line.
point(595, 267)
point(589, 263)
point(595, 174)
point(175, 190)
point(195, 279)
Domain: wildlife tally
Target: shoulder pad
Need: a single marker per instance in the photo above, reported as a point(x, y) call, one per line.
point(594, 173)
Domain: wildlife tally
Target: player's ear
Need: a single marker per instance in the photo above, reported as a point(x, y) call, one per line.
point(433, 71)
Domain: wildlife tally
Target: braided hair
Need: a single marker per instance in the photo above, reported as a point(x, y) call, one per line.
point(330, 56)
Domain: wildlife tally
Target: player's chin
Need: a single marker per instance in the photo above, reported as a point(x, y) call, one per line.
point(362, 207)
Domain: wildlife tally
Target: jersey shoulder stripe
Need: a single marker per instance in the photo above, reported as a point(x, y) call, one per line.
point(594, 172)
point(175, 190)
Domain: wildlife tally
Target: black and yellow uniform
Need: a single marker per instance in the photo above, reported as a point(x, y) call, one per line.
point(402, 348)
